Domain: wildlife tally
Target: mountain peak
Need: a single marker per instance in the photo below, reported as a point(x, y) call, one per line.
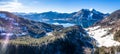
point(91, 9)
point(84, 10)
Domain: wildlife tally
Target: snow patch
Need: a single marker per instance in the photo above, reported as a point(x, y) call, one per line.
point(102, 36)
point(59, 19)
point(44, 20)
point(64, 24)
point(49, 34)
point(2, 15)
point(16, 24)
point(21, 34)
point(91, 9)
point(6, 34)
point(2, 29)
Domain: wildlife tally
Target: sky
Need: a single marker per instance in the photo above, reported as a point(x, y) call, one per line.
point(62, 6)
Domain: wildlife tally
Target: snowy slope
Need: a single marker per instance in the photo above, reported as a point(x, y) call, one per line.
point(2, 15)
point(102, 36)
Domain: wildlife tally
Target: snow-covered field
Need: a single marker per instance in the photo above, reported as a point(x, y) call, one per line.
point(102, 36)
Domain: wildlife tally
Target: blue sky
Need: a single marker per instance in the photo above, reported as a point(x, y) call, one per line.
point(64, 6)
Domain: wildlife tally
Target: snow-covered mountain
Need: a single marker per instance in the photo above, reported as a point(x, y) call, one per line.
point(84, 17)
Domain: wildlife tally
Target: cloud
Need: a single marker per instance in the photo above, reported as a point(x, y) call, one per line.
point(6, 0)
point(10, 5)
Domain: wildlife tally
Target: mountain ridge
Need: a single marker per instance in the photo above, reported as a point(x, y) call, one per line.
point(78, 18)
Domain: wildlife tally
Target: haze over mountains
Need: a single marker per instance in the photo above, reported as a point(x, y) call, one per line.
point(84, 17)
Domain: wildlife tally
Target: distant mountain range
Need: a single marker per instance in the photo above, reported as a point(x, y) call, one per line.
point(84, 17)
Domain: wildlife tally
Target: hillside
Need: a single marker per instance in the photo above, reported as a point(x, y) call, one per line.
point(113, 22)
point(107, 34)
point(70, 40)
point(18, 26)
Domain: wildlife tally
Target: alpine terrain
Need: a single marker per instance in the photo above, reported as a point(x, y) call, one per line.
point(22, 36)
point(88, 32)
